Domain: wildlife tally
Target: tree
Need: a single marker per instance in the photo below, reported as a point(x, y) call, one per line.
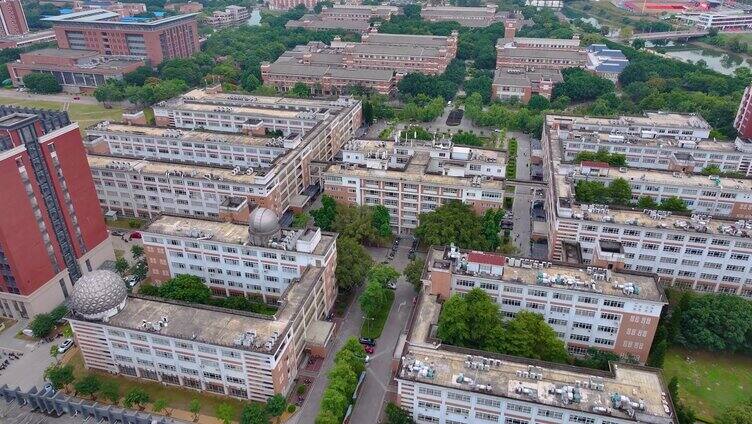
point(121, 265)
point(194, 407)
point(300, 90)
point(382, 274)
point(353, 355)
point(397, 415)
point(159, 405)
point(327, 417)
point(538, 102)
point(411, 11)
point(334, 402)
point(711, 170)
point(714, 322)
point(737, 414)
point(381, 221)
point(276, 405)
point(372, 299)
point(324, 216)
point(110, 91)
point(188, 288)
point(453, 321)
point(414, 272)
point(467, 139)
point(139, 76)
point(137, 251)
point(136, 396)
point(225, 413)
point(87, 385)
point(528, 335)
point(367, 112)
point(674, 204)
point(42, 83)
point(300, 220)
point(111, 391)
point(453, 222)
point(254, 413)
point(638, 43)
point(620, 192)
point(646, 202)
point(59, 376)
point(353, 263)
point(42, 325)
point(54, 351)
point(580, 85)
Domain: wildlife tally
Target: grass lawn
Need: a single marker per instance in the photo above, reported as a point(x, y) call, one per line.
point(125, 223)
point(709, 382)
point(372, 328)
point(85, 114)
point(176, 397)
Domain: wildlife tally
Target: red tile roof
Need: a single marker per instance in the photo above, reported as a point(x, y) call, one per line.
point(594, 164)
point(486, 258)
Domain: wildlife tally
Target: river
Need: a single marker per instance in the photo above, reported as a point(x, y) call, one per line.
point(716, 60)
point(255, 19)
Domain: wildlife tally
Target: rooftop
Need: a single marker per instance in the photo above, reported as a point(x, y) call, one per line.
point(101, 16)
point(524, 77)
point(406, 40)
point(523, 271)
point(677, 179)
point(542, 53)
point(231, 233)
point(217, 326)
point(286, 68)
point(648, 119)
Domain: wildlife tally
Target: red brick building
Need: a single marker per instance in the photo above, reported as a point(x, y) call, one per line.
point(108, 34)
point(52, 231)
point(12, 18)
point(290, 4)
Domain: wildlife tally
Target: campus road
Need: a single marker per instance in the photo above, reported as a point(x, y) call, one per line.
point(61, 98)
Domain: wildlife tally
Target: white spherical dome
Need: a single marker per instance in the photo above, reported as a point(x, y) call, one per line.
point(98, 294)
point(263, 221)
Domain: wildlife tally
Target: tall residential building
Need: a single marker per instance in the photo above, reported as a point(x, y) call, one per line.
point(52, 231)
point(12, 18)
point(743, 121)
point(217, 158)
point(599, 308)
point(105, 32)
point(443, 384)
point(410, 177)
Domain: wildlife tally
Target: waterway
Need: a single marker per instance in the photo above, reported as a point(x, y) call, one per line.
point(717, 60)
point(255, 19)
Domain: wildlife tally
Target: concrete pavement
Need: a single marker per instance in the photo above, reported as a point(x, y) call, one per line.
point(61, 98)
point(26, 371)
point(522, 228)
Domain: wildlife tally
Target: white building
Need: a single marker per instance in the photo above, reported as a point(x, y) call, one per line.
point(724, 19)
point(591, 307)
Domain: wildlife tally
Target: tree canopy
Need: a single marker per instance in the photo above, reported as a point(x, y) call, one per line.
point(42, 83)
point(342, 380)
point(455, 222)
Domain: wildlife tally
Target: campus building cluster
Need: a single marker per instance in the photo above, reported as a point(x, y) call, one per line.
point(232, 16)
point(228, 352)
point(721, 19)
point(377, 62)
point(474, 17)
point(410, 177)
point(355, 18)
point(443, 384)
point(53, 232)
point(706, 249)
point(96, 45)
point(14, 30)
point(213, 154)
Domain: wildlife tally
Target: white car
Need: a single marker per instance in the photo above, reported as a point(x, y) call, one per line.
point(391, 285)
point(131, 280)
point(64, 346)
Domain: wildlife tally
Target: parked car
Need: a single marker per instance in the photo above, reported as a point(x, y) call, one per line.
point(369, 349)
point(76, 98)
point(368, 342)
point(391, 285)
point(131, 280)
point(367, 359)
point(64, 346)
point(117, 233)
point(135, 235)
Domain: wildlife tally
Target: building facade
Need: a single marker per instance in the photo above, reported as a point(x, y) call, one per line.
point(291, 4)
point(549, 53)
point(12, 18)
point(474, 17)
point(25, 40)
point(231, 16)
point(103, 31)
point(410, 177)
point(52, 233)
point(122, 9)
point(522, 83)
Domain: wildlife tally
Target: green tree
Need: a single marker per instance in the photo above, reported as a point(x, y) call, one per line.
point(467, 139)
point(188, 288)
point(137, 251)
point(538, 102)
point(737, 414)
point(453, 222)
point(276, 405)
point(580, 85)
point(620, 192)
point(88, 385)
point(326, 416)
point(54, 351)
point(482, 318)
point(382, 274)
point(414, 272)
point(139, 76)
point(638, 43)
point(59, 376)
point(674, 204)
point(711, 170)
point(324, 216)
point(42, 325)
point(254, 413)
point(59, 312)
point(397, 415)
point(372, 299)
point(353, 357)
point(42, 83)
point(714, 322)
point(334, 402)
point(121, 265)
point(353, 263)
point(160, 405)
point(453, 321)
point(646, 202)
point(194, 407)
point(381, 221)
point(110, 92)
point(225, 413)
point(136, 397)
point(528, 335)
point(300, 90)
point(300, 220)
point(110, 390)
point(367, 112)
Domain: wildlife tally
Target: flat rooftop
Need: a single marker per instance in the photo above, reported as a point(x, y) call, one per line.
point(527, 276)
point(217, 326)
point(649, 119)
point(502, 379)
point(107, 128)
point(101, 16)
point(524, 77)
point(286, 68)
point(677, 179)
point(223, 232)
point(517, 52)
point(406, 40)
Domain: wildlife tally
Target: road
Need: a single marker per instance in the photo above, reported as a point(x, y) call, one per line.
point(379, 371)
point(522, 228)
point(26, 371)
point(61, 98)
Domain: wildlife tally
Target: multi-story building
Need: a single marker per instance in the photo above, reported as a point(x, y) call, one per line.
point(726, 19)
point(706, 253)
point(291, 4)
point(714, 195)
point(51, 233)
point(600, 308)
point(103, 31)
point(260, 261)
point(415, 176)
point(443, 384)
point(327, 80)
point(656, 140)
point(144, 171)
point(19, 41)
point(12, 18)
point(743, 120)
point(550, 53)
point(222, 351)
point(522, 83)
point(188, 7)
point(317, 22)
point(75, 70)
point(605, 62)
point(122, 9)
point(347, 17)
point(231, 16)
point(474, 17)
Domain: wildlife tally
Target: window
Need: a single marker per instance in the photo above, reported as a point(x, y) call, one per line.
point(581, 419)
point(518, 408)
point(613, 317)
point(584, 313)
point(613, 303)
point(456, 396)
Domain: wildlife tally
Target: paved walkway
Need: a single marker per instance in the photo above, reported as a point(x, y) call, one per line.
point(26, 371)
point(522, 198)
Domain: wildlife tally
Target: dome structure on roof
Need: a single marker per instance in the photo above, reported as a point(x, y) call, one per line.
point(263, 224)
point(98, 295)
